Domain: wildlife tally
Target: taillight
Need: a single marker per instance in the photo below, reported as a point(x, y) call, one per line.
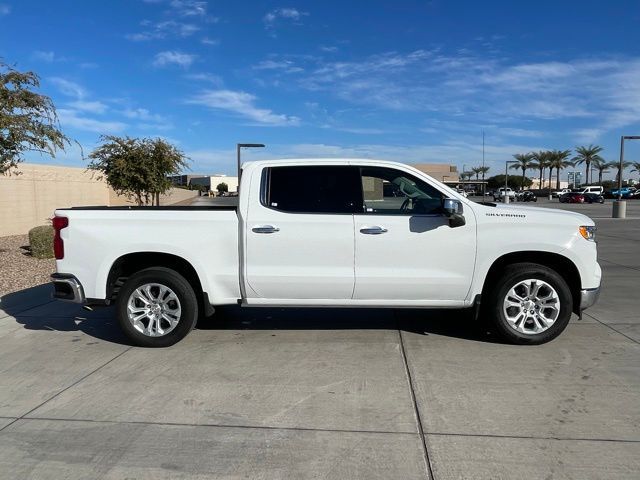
point(58, 245)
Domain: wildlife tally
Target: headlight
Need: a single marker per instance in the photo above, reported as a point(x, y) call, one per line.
point(588, 232)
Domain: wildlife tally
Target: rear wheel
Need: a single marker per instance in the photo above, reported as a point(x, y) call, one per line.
point(530, 304)
point(157, 307)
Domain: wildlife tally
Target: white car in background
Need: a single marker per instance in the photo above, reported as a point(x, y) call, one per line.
point(501, 192)
point(559, 193)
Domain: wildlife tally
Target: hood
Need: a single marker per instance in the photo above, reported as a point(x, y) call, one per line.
point(558, 216)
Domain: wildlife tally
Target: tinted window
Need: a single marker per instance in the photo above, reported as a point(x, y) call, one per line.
point(313, 189)
point(393, 192)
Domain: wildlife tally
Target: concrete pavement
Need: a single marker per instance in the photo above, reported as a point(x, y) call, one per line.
point(325, 393)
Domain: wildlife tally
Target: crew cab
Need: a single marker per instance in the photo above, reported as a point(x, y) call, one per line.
point(351, 233)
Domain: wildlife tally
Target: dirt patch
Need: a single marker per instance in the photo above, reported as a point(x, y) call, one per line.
point(18, 269)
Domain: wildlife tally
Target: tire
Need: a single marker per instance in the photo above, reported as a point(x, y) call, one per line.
point(170, 320)
point(543, 320)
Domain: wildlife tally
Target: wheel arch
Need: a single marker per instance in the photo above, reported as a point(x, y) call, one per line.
point(126, 265)
point(562, 265)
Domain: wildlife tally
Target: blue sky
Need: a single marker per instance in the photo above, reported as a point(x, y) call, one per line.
point(413, 81)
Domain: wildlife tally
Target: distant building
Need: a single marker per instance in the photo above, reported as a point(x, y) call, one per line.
point(183, 180)
point(440, 171)
point(535, 185)
point(211, 182)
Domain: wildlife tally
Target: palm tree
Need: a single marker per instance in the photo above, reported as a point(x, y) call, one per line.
point(559, 161)
point(636, 167)
point(602, 166)
point(616, 165)
point(541, 162)
point(477, 171)
point(525, 161)
point(465, 175)
point(587, 155)
point(483, 170)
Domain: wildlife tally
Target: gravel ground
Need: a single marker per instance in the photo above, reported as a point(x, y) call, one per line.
point(18, 269)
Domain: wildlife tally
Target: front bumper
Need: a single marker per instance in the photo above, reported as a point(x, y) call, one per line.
point(589, 297)
point(68, 288)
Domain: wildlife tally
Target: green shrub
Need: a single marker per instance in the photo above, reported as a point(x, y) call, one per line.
point(41, 241)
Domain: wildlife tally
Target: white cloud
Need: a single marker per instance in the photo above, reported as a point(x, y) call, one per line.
point(602, 93)
point(189, 8)
point(69, 88)
point(209, 41)
point(165, 29)
point(74, 119)
point(272, 18)
point(243, 104)
point(5, 9)
point(210, 78)
point(46, 56)
point(286, 66)
point(174, 57)
point(89, 106)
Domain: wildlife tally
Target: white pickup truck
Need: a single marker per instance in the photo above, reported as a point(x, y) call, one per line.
point(351, 233)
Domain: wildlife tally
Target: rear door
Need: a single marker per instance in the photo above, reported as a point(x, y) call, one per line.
point(299, 235)
point(405, 248)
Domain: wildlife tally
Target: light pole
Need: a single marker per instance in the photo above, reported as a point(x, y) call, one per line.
point(244, 145)
point(619, 206)
point(506, 178)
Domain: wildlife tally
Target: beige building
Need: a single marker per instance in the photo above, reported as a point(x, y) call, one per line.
point(442, 172)
point(29, 199)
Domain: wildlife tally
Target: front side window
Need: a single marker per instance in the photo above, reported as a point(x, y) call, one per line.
point(392, 192)
point(312, 189)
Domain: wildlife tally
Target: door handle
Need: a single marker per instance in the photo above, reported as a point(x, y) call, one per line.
point(265, 229)
point(373, 230)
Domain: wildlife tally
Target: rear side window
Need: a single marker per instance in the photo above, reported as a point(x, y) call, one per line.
point(313, 189)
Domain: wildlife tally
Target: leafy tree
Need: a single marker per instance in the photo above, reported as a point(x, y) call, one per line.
point(513, 181)
point(222, 188)
point(602, 166)
point(525, 162)
point(587, 155)
point(559, 161)
point(137, 167)
point(28, 121)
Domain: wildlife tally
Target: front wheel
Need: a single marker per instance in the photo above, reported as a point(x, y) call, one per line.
point(157, 307)
point(530, 304)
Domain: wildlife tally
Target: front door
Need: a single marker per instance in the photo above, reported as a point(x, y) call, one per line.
point(299, 236)
point(405, 248)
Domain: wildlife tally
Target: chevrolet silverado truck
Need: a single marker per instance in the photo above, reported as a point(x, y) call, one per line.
point(347, 233)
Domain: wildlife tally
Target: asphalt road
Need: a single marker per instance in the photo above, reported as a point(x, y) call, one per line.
point(326, 393)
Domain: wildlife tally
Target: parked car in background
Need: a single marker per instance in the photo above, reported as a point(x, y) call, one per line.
point(593, 198)
point(559, 193)
point(571, 197)
point(590, 189)
point(627, 192)
point(526, 196)
point(502, 192)
point(462, 192)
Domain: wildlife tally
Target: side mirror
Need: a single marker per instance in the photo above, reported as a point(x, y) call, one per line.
point(453, 210)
